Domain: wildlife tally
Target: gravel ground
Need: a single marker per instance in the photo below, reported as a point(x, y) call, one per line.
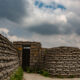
point(31, 76)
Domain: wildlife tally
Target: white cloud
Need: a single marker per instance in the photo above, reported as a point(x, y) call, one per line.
point(47, 41)
point(15, 38)
point(64, 19)
point(58, 40)
point(39, 16)
point(4, 30)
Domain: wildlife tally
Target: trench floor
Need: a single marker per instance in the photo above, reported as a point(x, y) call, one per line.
point(32, 76)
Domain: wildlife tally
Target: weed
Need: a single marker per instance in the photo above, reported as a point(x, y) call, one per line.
point(45, 73)
point(59, 76)
point(18, 75)
point(42, 72)
point(29, 70)
point(71, 76)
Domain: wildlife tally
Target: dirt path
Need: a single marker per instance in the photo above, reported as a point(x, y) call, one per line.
point(31, 76)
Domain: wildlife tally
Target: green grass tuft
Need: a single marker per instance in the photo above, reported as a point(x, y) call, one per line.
point(71, 76)
point(18, 75)
point(42, 72)
point(45, 73)
point(59, 76)
point(29, 70)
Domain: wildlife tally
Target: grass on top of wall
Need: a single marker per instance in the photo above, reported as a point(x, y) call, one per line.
point(18, 75)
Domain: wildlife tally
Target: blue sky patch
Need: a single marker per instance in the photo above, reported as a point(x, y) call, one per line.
point(36, 3)
point(52, 6)
point(61, 6)
point(41, 5)
point(48, 6)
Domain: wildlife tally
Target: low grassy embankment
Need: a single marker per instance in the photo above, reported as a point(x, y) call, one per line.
point(18, 75)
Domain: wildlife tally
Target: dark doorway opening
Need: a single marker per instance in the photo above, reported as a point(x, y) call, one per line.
point(26, 57)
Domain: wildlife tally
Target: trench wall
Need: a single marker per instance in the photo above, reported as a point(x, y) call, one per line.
point(63, 61)
point(35, 52)
point(59, 61)
point(8, 58)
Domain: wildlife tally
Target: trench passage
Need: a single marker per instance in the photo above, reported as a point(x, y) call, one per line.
point(26, 57)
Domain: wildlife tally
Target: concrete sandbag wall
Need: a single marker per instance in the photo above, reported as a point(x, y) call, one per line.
point(35, 53)
point(63, 61)
point(8, 58)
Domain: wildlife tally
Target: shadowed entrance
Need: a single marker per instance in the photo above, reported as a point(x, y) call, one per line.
point(26, 57)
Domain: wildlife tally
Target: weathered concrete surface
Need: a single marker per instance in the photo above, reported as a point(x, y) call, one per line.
point(57, 61)
point(30, 76)
point(63, 61)
point(35, 54)
point(9, 61)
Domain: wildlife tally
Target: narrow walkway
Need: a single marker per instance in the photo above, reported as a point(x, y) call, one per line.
point(31, 76)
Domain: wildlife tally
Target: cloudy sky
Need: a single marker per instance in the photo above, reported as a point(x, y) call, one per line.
point(51, 22)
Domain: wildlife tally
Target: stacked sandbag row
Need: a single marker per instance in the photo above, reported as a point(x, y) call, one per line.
point(63, 61)
point(41, 58)
point(35, 54)
point(8, 58)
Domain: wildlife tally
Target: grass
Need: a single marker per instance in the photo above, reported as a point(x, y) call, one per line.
point(18, 75)
point(42, 72)
point(71, 76)
point(45, 73)
point(59, 76)
point(29, 70)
